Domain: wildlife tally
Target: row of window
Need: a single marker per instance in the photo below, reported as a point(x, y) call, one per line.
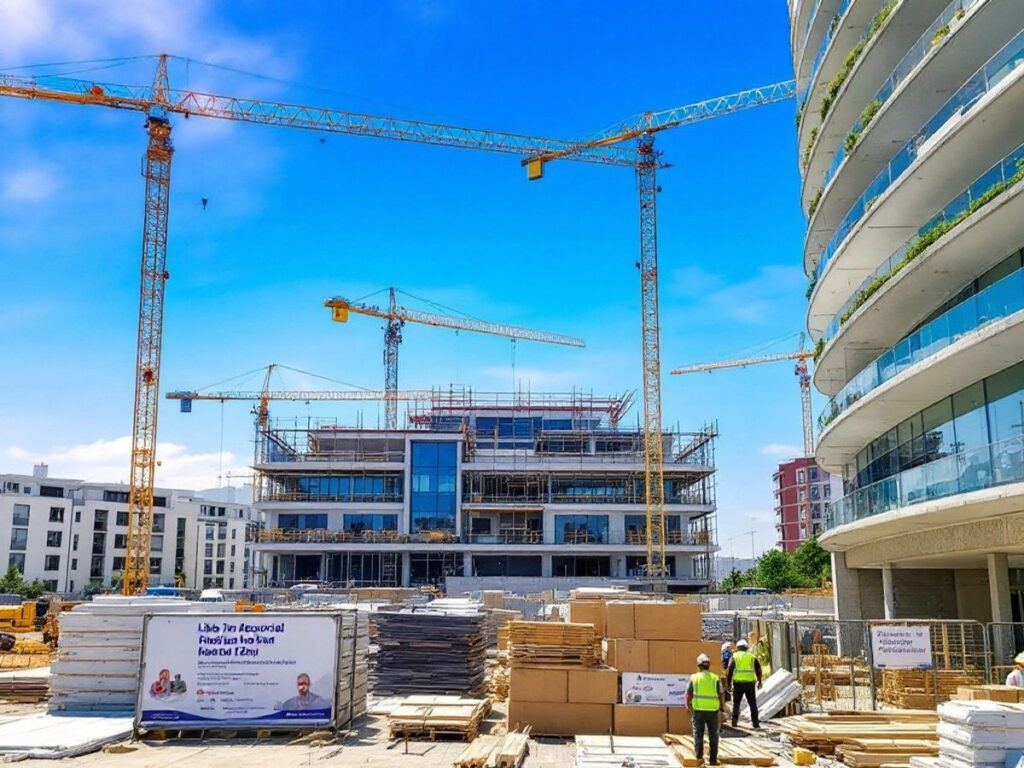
point(988, 411)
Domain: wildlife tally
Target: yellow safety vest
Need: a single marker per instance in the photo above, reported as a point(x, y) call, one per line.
point(705, 691)
point(743, 670)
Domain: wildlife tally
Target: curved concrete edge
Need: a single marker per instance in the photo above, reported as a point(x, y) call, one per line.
point(979, 354)
point(926, 516)
point(986, 27)
point(885, 50)
point(851, 27)
point(939, 273)
point(951, 163)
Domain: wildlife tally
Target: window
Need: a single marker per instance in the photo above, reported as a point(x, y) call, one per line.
point(99, 543)
point(51, 563)
point(812, 473)
point(50, 585)
point(74, 564)
point(53, 538)
point(121, 497)
point(158, 522)
point(800, 476)
point(232, 550)
point(99, 522)
point(208, 550)
point(17, 560)
point(231, 567)
point(581, 529)
point(156, 543)
point(19, 538)
point(360, 523)
point(120, 541)
point(56, 514)
point(233, 532)
point(20, 514)
point(96, 567)
point(828, 490)
point(432, 505)
point(220, 550)
point(208, 567)
point(11, 487)
point(209, 532)
point(220, 567)
point(51, 491)
point(74, 542)
point(78, 515)
point(155, 565)
point(122, 519)
point(302, 522)
point(118, 564)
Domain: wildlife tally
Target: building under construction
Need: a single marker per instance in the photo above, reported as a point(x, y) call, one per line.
point(546, 486)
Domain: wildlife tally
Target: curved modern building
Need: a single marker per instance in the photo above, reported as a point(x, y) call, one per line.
point(911, 153)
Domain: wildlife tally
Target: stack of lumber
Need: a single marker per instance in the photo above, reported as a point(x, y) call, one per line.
point(866, 739)
point(498, 618)
point(432, 717)
point(495, 751)
point(539, 643)
point(980, 734)
point(731, 751)
point(1007, 694)
point(499, 675)
point(426, 651)
point(28, 686)
point(97, 665)
point(616, 751)
point(924, 688)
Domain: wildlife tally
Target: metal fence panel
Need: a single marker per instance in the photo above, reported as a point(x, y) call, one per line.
point(1005, 640)
point(831, 661)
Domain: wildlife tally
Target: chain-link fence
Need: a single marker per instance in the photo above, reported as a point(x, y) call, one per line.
point(831, 660)
point(1005, 640)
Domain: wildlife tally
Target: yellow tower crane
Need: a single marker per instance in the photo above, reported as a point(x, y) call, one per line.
point(397, 316)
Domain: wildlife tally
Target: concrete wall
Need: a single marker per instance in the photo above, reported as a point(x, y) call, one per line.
point(972, 596)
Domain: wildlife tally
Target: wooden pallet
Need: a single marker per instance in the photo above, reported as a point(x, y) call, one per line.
point(438, 717)
point(731, 751)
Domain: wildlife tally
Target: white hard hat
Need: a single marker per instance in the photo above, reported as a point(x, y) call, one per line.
point(726, 645)
point(741, 643)
point(703, 659)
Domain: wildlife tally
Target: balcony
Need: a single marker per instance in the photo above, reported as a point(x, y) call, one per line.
point(502, 538)
point(326, 498)
point(1000, 300)
point(989, 466)
point(942, 154)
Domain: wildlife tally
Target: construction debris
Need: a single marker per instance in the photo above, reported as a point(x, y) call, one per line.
point(731, 751)
point(430, 652)
point(434, 717)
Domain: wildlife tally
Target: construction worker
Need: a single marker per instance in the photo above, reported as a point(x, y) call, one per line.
point(726, 655)
point(1016, 677)
point(705, 699)
point(743, 678)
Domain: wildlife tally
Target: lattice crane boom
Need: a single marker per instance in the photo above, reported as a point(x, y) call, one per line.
point(396, 316)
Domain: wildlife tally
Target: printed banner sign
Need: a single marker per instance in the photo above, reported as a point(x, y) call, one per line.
point(237, 669)
point(896, 647)
point(644, 689)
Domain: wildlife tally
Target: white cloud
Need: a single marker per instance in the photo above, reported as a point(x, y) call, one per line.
point(106, 461)
point(29, 184)
point(781, 450)
point(758, 299)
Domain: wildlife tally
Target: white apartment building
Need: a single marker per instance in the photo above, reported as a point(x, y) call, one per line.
point(911, 150)
point(71, 534)
point(548, 488)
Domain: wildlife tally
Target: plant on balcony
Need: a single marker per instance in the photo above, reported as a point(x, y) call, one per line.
point(923, 241)
point(811, 285)
point(800, 115)
point(819, 347)
point(810, 145)
point(943, 32)
point(854, 56)
point(813, 205)
point(865, 119)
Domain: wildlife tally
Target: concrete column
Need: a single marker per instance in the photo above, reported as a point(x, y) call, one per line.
point(545, 566)
point(406, 569)
point(888, 596)
point(467, 564)
point(846, 589)
point(999, 586)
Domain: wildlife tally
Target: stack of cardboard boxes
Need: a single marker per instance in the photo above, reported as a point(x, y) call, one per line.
point(649, 648)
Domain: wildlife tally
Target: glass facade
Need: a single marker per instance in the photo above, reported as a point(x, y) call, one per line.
point(354, 488)
point(371, 522)
point(581, 529)
point(295, 522)
point(434, 470)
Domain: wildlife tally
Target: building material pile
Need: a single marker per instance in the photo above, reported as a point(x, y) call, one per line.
point(495, 751)
point(25, 686)
point(613, 752)
point(353, 665)
point(433, 717)
point(545, 642)
point(980, 734)
point(499, 675)
point(731, 751)
point(866, 739)
point(97, 665)
point(426, 651)
point(1007, 694)
point(781, 688)
point(924, 688)
point(18, 618)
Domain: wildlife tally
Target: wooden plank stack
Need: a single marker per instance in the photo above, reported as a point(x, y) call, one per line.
point(430, 652)
point(923, 688)
point(495, 752)
point(731, 751)
point(866, 739)
point(540, 643)
point(434, 717)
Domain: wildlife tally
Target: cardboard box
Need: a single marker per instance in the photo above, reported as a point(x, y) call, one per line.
point(667, 621)
point(538, 684)
point(679, 721)
point(619, 619)
point(588, 612)
point(680, 657)
point(564, 720)
point(626, 655)
point(640, 721)
point(594, 686)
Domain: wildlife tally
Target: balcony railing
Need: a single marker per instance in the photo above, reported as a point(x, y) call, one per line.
point(347, 498)
point(973, 470)
point(826, 40)
point(1000, 300)
point(995, 71)
point(574, 538)
point(988, 186)
point(697, 498)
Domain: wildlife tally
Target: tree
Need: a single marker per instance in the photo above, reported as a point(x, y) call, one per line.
point(14, 583)
point(734, 581)
point(812, 562)
point(775, 572)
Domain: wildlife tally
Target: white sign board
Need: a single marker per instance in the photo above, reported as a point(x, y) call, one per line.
point(643, 689)
point(896, 647)
point(238, 669)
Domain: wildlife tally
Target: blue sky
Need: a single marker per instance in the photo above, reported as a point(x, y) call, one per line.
point(291, 220)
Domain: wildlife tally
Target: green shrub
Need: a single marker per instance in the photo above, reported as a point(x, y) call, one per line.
point(819, 347)
point(813, 205)
point(810, 286)
point(851, 141)
point(810, 145)
point(854, 55)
